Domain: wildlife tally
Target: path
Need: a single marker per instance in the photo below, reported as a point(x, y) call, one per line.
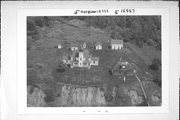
point(142, 88)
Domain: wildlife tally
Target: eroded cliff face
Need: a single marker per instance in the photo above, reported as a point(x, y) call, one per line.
point(35, 97)
point(76, 96)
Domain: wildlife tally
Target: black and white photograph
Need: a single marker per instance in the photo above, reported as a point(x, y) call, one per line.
point(94, 61)
point(99, 60)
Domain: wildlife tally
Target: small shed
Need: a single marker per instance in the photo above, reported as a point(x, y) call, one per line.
point(95, 61)
point(74, 48)
point(116, 44)
point(84, 45)
point(59, 46)
point(98, 46)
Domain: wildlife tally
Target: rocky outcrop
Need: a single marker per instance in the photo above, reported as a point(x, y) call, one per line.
point(97, 96)
point(127, 96)
point(77, 96)
point(153, 92)
point(35, 97)
point(135, 98)
point(80, 96)
point(156, 98)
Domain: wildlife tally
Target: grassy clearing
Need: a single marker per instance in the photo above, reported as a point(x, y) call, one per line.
point(45, 62)
point(146, 53)
point(97, 75)
point(45, 52)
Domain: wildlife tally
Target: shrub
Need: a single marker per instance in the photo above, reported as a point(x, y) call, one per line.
point(49, 96)
point(110, 72)
point(102, 89)
point(46, 21)
point(108, 97)
point(31, 26)
point(144, 103)
point(154, 66)
point(109, 46)
point(60, 69)
point(39, 21)
point(156, 63)
point(32, 77)
point(157, 80)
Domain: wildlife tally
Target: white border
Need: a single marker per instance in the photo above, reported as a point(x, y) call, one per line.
point(22, 90)
point(9, 101)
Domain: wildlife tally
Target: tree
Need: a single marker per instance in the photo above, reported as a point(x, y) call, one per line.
point(156, 63)
point(157, 80)
point(31, 25)
point(117, 33)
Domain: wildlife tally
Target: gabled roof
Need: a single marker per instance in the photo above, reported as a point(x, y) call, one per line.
point(85, 53)
point(74, 45)
point(65, 57)
point(74, 54)
point(95, 58)
point(117, 42)
point(98, 43)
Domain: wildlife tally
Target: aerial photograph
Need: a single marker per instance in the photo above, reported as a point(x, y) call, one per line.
point(94, 61)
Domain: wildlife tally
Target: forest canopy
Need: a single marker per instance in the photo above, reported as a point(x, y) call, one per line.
point(140, 30)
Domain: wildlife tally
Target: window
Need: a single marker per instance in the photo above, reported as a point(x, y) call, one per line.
point(75, 63)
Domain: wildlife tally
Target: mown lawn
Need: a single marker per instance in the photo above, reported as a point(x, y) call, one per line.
point(44, 52)
point(97, 75)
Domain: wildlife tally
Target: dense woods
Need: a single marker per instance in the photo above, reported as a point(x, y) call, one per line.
point(139, 30)
point(144, 30)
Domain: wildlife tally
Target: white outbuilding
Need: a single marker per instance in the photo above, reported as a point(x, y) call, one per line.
point(74, 48)
point(59, 46)
point(98, 46)
point(84, 45)
point(116, 44)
